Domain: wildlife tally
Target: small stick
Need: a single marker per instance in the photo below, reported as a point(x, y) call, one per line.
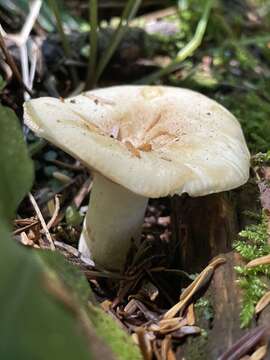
point(42, 221)
point(66, 165)
point(26, 227)
point(30, 22)
point(11, 63)
point(93, 19)
point(68, 248)
point(83, 192)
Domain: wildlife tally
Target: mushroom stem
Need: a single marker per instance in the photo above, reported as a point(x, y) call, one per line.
point(113, 220)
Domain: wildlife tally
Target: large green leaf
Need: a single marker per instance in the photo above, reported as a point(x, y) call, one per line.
point(33, 324)
point(16, 168)
point(45, 311)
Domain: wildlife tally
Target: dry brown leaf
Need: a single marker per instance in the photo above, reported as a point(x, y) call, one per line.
point(191, 315)
point(264, 260)
point(166, 348)
point(170, 355)
point(213, 265)
point(106, 305)
point(201, 280)
point(263, 302)
point(190, 291)
point(260, 353)
point(144, 344)
point(134, 151)
point(244, 345)
point(168, 325)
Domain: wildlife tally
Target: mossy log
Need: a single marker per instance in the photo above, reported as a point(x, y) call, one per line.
point(203, 228)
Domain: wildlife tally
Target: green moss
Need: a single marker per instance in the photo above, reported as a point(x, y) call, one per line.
point(105, 327)
point(195, 348)
point(120, 343)
point(253, 111)
point(253, 243)
point(204, 309)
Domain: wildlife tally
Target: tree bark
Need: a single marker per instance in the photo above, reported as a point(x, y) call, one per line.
point(223, 330)
point(203, 227)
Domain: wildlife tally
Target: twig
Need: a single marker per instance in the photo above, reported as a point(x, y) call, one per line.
point(187, 51)
point(129, 12)
point(84, 190)
point(26, 227)
point(244, 344)
point(93, 19)
point(55, 213)
point(42, 221)
point(11, 63)
point(21, 40)
point(68, 248)
point(66, 165)
point(29, 22)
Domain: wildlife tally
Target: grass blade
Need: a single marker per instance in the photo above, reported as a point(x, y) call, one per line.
point(129, 12)
point(93, 19)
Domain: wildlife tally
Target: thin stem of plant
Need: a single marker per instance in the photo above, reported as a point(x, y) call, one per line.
point(93, 19)
point(20, 40)
point(55, 213)
point(42, 221)
point(30, 22)
point(187, 51)
point(129, 12)
point(56, 11)
point(9, 60)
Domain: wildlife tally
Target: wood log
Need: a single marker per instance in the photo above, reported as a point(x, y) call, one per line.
point(203, 227)
point(223, 330)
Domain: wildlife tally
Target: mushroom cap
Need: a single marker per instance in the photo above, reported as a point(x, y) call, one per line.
point(153, 140)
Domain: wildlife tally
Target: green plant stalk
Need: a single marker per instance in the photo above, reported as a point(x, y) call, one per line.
point(93, 19)
point(129, 12)
point(55, 9)
point(187, 51)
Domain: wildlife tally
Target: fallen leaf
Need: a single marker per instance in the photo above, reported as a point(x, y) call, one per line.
point(191, 315)
point(264, 260)
point(244, 344)
point(260, 353)
point(263, 302)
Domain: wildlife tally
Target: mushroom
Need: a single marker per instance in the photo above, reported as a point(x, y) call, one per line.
point(140, 142)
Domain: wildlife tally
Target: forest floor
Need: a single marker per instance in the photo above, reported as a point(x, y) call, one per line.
point(232, 66)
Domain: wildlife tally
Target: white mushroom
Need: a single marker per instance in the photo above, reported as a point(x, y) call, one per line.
point(141, 142)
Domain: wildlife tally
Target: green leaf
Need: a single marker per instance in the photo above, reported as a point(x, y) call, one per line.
point(44, 310)
point(33, 324)
point(16, 168)
point(118, 341)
